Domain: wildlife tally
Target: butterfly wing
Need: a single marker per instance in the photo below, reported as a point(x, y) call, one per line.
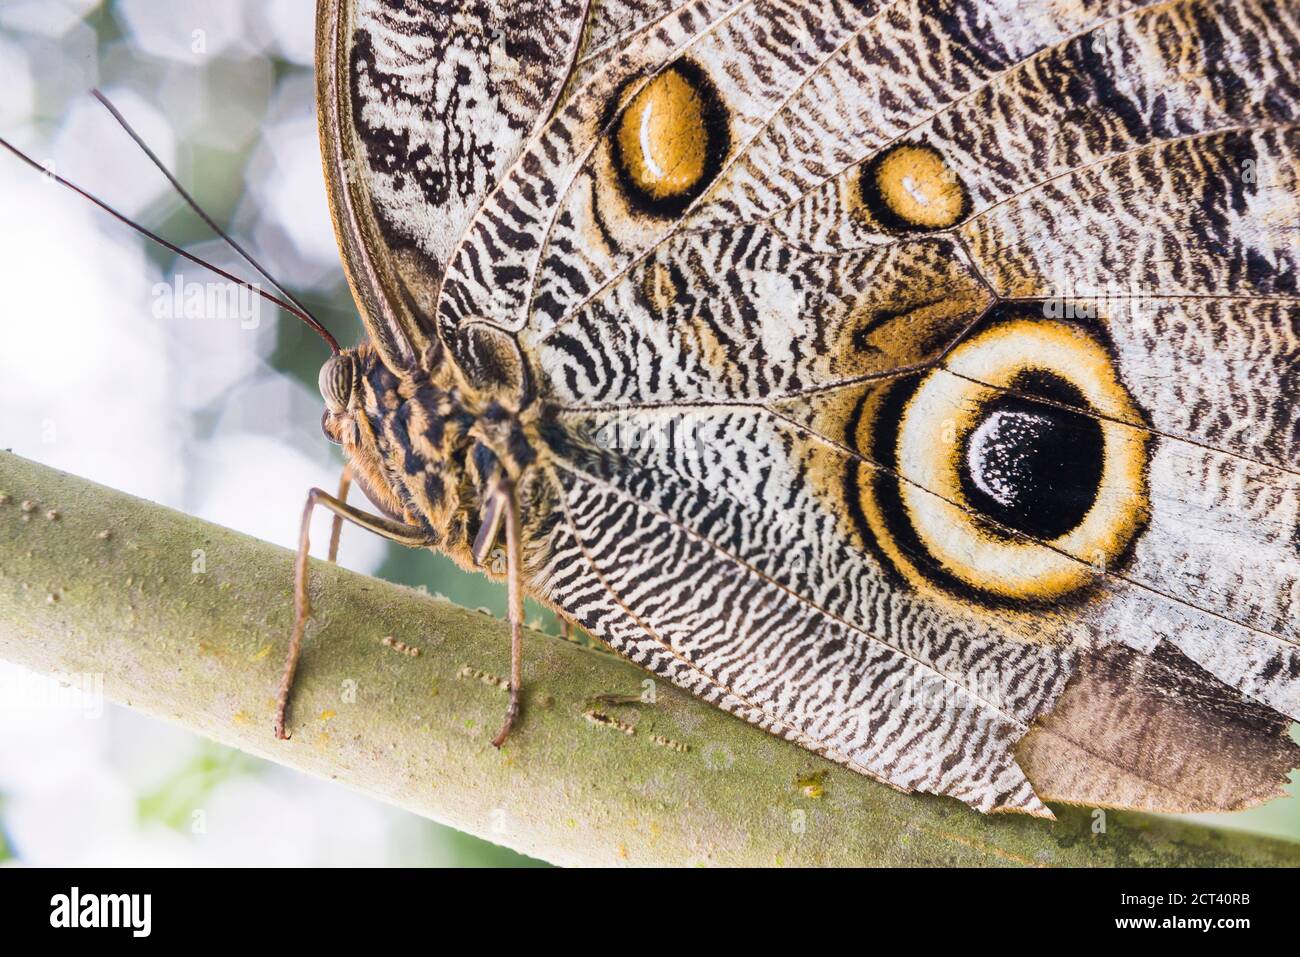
point(925, 382)
point(422, 108)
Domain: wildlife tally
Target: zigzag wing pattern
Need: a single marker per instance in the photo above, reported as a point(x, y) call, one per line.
point(922, 379)
point(423, 107)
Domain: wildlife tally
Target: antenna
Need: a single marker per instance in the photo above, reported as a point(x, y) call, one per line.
point(192, 202)
point(292, 309)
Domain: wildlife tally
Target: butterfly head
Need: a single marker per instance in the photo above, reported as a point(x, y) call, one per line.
point(352, 381)
point(424, 446)
point(340, 388)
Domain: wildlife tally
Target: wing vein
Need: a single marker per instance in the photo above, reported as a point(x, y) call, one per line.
point(798, 598)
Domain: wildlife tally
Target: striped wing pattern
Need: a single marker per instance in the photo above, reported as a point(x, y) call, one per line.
point(733, 386)
point(422, 108)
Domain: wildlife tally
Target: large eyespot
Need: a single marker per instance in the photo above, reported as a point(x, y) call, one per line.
point(671, 139)
point(336, 379)
point(1010, 472)
point(911, 186)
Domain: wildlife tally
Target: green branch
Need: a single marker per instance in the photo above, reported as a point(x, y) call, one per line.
point(189, 622)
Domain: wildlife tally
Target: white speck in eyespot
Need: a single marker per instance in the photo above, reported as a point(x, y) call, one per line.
point(995, 465)
point(1032, 467)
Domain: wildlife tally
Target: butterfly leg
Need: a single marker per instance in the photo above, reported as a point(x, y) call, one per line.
point(409, 535)
point(345, 483)
point(509, 504)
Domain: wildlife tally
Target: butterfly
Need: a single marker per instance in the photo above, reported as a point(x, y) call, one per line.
point(915, 379)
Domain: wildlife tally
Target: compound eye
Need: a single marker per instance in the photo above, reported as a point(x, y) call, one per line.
point(336, 379)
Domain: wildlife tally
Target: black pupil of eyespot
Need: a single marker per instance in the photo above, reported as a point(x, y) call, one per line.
point(1032, 466)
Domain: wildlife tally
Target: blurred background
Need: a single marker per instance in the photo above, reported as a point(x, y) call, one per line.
point(109, 374)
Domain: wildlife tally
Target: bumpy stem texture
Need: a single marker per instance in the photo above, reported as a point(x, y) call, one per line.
point(399, 693)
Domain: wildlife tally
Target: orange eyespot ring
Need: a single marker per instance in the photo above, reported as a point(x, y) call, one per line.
point(1006, 473)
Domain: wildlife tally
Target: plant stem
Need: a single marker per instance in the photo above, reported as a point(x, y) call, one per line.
point(189, 622)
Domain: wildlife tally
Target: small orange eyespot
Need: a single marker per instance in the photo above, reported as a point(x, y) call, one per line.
point(671, 139)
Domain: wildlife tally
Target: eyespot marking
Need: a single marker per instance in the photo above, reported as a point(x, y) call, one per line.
point(1006, 476)
point(912, 187)
point(1031, 466)
point(670, 140)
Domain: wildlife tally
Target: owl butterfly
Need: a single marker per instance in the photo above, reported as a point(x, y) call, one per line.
point(915, 379)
